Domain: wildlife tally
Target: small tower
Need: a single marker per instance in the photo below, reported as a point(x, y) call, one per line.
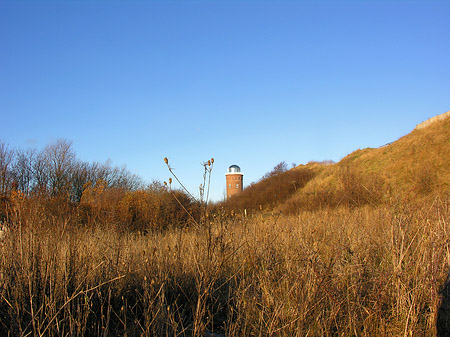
point(235, 180)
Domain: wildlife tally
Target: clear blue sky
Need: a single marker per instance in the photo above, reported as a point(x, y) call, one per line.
point(251, 83)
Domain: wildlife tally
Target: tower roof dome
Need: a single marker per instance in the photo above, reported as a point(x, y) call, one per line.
point(234, 169)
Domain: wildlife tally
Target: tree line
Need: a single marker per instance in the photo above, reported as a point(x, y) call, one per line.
point(55, 171)
point(56, 184)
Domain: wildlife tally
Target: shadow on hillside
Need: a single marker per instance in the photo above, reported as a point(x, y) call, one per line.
point(443, 316)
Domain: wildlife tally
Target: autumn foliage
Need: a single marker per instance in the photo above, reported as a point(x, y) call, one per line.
point(56, 182)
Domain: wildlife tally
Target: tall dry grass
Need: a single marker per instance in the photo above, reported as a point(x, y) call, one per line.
point(367, 271)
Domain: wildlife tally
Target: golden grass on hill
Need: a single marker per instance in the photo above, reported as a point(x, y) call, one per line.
point(404, 163)
point(414, 167)
point(366, 271)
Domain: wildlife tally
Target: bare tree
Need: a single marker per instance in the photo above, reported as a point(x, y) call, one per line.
point(81, 174)
point(117, 177)
point(40, 174)
point(56, 171)
point(279, 168)
point(23, 170)
point(126, 180)
point(59, 158)
point(6, 158)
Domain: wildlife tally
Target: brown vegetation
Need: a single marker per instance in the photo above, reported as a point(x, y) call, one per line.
point(415, 168)
point(361, 248)
point(350, 271)
point(97, 193)
point(271, 191)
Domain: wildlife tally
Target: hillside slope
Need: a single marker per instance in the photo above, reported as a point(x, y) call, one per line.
point(413, 167)
point(418, 162)
point(272, 190)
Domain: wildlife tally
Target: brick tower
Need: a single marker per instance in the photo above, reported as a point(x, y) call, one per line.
point(235, 180)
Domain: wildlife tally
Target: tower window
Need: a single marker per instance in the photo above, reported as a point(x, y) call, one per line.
point(237, 185)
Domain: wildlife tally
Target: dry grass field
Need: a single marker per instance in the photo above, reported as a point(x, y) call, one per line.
point(356, 248)
point(344, 272)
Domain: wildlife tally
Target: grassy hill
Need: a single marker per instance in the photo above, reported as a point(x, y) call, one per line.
point(414, 167)
point(416, 163)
